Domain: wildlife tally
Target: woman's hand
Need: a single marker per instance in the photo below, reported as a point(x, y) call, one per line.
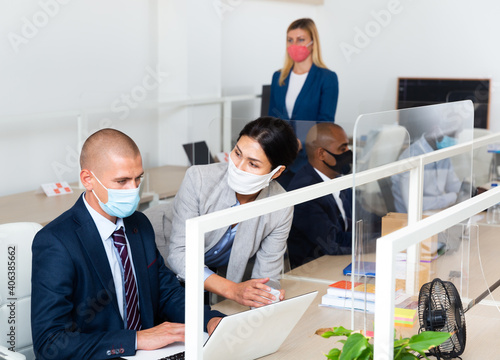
point(252, 293)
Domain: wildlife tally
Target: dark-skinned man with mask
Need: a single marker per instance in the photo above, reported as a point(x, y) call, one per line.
point(322, 226)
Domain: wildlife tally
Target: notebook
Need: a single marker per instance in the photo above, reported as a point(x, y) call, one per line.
point(246, 335)
point(364, 268)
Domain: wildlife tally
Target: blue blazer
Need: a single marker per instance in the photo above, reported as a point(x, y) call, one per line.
point(318, 227)
point(317, 99)
point(74, 311)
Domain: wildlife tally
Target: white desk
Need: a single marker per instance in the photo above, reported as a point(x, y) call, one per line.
point(482, 321)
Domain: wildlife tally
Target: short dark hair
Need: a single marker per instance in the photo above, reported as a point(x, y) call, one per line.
point(106, 141)
point(276, 137)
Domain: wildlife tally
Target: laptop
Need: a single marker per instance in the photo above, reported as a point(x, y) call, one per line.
point(198, 153)
point(246, 335)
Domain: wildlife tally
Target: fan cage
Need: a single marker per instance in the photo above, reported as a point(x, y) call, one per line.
point(440, 309)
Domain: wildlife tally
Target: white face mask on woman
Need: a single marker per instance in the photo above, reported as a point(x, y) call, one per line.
point(246, 183)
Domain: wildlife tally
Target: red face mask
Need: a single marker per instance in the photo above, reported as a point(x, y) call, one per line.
point(298, 53)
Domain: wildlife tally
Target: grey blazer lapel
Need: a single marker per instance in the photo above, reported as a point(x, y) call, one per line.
point(226, 198)
point(244, 243)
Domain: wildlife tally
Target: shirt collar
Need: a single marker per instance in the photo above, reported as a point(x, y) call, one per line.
point(322, 176)
point(104, 226)
point(424, 144)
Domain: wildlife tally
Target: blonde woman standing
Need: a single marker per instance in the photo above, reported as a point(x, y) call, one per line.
point(304, 89)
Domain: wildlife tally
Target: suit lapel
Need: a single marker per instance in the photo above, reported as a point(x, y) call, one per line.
point(329, 198)
point(226, 199)
point(244, 241)
point(91, 241)
point(282, 100)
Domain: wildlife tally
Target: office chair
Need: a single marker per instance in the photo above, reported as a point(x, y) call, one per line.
point(10, 355)
point(15, 286)
point(160, 217)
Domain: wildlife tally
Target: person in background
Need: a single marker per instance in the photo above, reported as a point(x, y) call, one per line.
point(264, 149)
point(100, 288)
point(304, 89)
point(322, 226)
point(441, 184)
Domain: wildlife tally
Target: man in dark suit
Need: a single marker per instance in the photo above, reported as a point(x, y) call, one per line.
point(100, 288)
point(322, 226)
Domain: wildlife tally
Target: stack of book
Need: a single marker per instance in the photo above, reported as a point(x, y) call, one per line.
point(340, 294)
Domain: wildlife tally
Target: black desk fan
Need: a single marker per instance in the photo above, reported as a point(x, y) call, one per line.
point(440, 309)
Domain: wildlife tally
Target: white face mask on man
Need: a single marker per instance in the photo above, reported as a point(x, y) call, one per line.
point(246, 183)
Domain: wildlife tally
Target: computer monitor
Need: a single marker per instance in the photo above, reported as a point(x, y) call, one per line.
point(266, 98)
point(198, 153)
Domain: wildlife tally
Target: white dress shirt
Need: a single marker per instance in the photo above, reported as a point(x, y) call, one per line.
point(294, 86)
point(336, 196)
point(106, 229)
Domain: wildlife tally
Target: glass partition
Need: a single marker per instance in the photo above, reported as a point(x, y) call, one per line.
point(171, 136)
point(374, 208)
point(446, 255)
point(390, 203)
point(468, 268)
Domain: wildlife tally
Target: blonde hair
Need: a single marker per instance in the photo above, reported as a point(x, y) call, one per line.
point(309, 26)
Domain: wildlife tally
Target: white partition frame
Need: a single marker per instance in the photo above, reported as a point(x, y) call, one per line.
point(387, 248)
point(197, 227)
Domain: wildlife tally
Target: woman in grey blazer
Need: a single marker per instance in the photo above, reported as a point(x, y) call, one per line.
point(264, 149)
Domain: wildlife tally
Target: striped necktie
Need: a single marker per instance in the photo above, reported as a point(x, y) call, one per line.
point(131, 297)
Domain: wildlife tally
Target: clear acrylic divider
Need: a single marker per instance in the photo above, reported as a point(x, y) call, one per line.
point(170, 137)
point(386, 204)
point(51, 142)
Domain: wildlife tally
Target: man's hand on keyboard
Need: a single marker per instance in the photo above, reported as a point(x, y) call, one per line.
point(160, 336)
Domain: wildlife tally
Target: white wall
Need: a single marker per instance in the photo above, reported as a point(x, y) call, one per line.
point(198, 48)
point(189, 50)
point(448, 38)
point(253, 48)
point(60, 55)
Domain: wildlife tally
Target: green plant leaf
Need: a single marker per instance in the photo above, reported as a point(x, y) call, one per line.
point(401, 342)
point(407, 356)
point(427, 339)
point(327, 334)
point(401, 353)
point(341, 331)
point(333, 354)
point(367, 354)
point(354, 347)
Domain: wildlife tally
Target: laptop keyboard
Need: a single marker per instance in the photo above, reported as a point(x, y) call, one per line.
point(178, 356)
